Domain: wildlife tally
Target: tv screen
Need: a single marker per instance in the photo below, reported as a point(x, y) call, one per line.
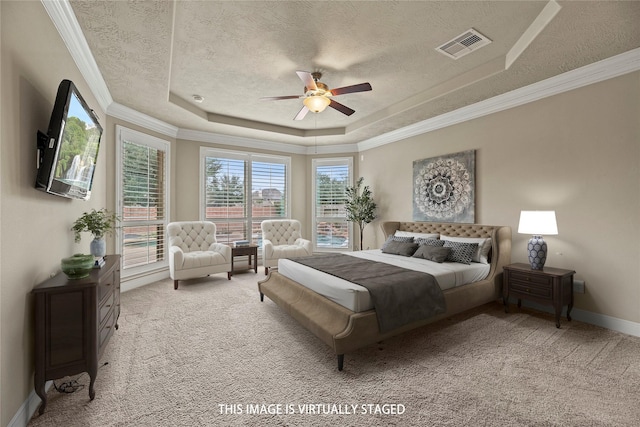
point(67, 153)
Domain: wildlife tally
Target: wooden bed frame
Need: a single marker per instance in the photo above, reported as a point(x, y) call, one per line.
point(345, 331)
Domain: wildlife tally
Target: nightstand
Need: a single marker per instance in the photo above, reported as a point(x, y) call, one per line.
point(549, 286)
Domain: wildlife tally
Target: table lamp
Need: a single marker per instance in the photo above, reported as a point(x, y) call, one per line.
point(537, 223)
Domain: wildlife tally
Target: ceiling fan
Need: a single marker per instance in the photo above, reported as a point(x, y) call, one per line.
point(317, 95)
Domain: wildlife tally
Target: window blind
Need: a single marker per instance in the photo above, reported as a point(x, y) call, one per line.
point(144, 206)
point(331, 178)
point(243, 189)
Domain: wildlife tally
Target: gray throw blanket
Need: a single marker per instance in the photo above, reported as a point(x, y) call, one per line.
point(400, 296)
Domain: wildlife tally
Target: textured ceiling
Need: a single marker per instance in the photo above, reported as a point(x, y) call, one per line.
point(155, 55)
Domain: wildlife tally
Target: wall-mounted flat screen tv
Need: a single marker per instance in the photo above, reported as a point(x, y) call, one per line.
point(68, 151)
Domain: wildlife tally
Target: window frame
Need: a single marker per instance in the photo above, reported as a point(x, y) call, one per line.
point(123, 135)
point(329, 161)
point(249, 157)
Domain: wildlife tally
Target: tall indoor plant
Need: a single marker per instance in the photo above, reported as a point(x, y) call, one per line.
point(360, 206)
point(99, 223)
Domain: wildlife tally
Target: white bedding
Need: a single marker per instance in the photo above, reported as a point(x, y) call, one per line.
point(356, 298)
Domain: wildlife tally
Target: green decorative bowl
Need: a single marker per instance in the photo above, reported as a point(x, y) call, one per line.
point(77, 266)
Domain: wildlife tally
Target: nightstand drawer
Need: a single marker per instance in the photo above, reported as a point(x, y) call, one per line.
point(516, 276)
point(533, 289)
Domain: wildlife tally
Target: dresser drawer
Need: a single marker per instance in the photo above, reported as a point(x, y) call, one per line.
point(106, 329)
point(106, 287)
point(106, 306)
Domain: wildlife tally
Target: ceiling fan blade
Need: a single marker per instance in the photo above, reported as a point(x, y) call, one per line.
point(276, 98)
point(342, 108)
point(307, 79)
point(303, 112)
point(362, 87)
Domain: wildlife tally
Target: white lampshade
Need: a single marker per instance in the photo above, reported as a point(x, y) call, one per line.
point(316, 103)
point(538, 223)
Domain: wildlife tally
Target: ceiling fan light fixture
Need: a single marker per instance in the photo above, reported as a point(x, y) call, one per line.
point(316, 103)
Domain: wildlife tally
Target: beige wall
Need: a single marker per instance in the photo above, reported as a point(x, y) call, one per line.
point(577, 153)
point(35, 226)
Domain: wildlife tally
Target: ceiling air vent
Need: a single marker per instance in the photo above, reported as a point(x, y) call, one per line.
point(465, 43)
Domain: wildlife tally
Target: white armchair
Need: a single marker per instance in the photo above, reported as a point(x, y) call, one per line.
point(194, 251)
point(281, 238)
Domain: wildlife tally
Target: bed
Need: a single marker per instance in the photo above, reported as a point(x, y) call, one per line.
point(348, 329)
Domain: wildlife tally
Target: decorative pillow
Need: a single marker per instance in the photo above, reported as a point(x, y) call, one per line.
point(397, 239)
point(432, 253)
point(400, 248)
point(484, 246)
point(429, 242)
point(416, 235)
point(460, 252)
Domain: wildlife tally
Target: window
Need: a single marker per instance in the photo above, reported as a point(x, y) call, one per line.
point(240, 190)
point(143, 202)
point(331, 230)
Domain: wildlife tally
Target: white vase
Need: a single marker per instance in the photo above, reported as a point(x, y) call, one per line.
point(98, 247)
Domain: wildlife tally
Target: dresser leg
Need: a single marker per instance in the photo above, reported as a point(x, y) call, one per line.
point(92, 391)
point(39, 388)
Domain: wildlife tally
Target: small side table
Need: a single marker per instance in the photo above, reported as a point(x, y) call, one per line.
point(549, 286)
point(251, 251)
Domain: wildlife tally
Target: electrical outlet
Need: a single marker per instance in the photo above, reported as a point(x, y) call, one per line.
point(578, 286)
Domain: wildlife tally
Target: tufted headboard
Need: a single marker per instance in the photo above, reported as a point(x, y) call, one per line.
point(500, 236)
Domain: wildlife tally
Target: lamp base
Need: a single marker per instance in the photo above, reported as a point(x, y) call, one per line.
point(537, 249)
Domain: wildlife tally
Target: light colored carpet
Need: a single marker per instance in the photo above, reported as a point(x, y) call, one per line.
point(179, 355)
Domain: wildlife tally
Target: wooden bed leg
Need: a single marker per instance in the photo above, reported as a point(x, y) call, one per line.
point(175, 284)
point(261, 297)
point(340, 361)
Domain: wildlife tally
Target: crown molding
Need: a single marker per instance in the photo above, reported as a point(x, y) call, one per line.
point(605, 69)
point(238, 141)
point(65, 21)
point(135, 117)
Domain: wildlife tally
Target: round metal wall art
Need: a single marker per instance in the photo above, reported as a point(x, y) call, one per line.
point(443, 188)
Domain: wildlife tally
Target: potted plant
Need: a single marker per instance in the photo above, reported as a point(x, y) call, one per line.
point(360, 206)
point(99, 223)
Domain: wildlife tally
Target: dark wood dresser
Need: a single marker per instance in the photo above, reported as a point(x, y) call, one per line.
point(74, 320)
point(549, 286)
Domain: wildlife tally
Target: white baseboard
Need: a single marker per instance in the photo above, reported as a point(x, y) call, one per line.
point(28, 408)
point(602, 320)
point(127, 284)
